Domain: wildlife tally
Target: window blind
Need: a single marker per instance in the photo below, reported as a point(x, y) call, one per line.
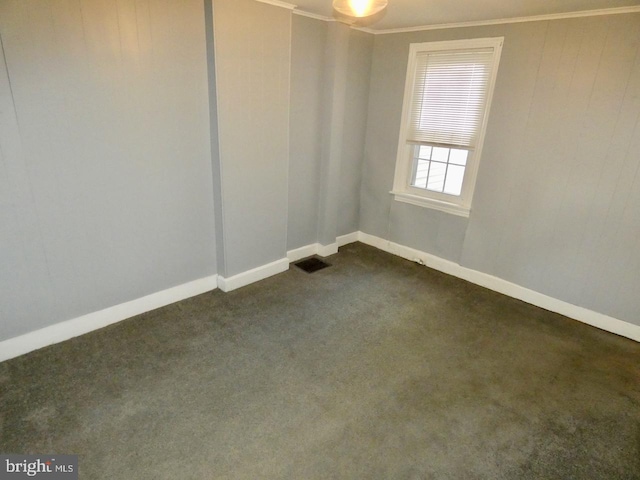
point(449, 97)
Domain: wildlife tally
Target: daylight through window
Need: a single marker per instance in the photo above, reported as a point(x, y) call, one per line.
point(448, 90)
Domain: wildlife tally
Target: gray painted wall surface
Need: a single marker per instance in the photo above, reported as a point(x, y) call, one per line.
point(308, 43)
point(105, 175)
point(330, 71)
point(334, 98)
point(252, 45)
point(354, 132)
point(107, 127)
point(216, 165)
point(557, 201)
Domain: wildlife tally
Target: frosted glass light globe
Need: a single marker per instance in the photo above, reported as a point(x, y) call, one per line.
point(359, 8)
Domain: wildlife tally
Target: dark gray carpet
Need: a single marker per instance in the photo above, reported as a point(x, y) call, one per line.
point(373, 368)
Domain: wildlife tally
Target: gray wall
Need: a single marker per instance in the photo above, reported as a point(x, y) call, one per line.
point(308, 43)
point(330, 71)
point(252, 54)
point(105, 174)
point(557, 202)
point(334, 99)
point(216, 165)
point(107, 123)
point(355, 127)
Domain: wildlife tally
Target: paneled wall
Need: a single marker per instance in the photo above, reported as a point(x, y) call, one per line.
point(557, 203)
point(252, 53)
point(308, 43)
point(355, 127)
point(108, 121)
point(330, 69)
point(105, 167)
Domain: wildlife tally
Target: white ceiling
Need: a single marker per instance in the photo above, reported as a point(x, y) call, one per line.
point(412, 13)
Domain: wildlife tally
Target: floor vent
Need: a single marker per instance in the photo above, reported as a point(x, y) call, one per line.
point(311, 265)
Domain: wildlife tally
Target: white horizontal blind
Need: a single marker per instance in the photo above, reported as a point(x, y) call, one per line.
point(450, 96)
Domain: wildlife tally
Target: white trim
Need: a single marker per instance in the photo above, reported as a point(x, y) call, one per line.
point(420, 201)
point(343, 240)
point(373, 241)
point(253, 275)
point(322, 250)
point(302, 252)
point(478, 23)
point(403, 191)
point(326, 250)
point(502, 21)
point(62, 331)
point(315, 16)
point(367, 30)
point(278, 3)
point(595, 319)
point(66, 330)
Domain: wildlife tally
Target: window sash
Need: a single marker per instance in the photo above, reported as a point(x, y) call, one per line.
point(403, 190)
point(449, 96)
point(453, 170)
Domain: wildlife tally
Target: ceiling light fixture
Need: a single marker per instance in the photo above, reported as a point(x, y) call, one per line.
point(359, 8)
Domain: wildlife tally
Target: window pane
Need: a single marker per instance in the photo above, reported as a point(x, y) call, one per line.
point(425, 152)
point(440, 154)
point(458, 157)
point(422, 170)
point(436, 176)
point(453, 185)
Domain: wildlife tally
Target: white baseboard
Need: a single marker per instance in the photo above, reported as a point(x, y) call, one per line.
point(326, 250)
point(343, 240)
point(65, 330)
point(322, 250)
point(75, 327)
point(253, 275)
point(60, 332)
point(599, 320)
point(302, 252)
point(374, 241)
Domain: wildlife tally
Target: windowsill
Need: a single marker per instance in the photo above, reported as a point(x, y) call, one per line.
point(443, 206)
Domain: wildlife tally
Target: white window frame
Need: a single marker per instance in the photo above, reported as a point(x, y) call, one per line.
point(403, 191)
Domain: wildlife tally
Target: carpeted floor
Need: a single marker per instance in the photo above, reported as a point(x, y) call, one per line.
point(374, 368)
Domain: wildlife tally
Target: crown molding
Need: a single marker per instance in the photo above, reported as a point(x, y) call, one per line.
point(501, 21)
point(315, 16)
point(278, 3)
point(367, 30)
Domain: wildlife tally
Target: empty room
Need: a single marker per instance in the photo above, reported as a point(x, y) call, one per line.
point(327, 239)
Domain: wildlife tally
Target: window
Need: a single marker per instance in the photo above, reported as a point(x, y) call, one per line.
point(446, 105)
